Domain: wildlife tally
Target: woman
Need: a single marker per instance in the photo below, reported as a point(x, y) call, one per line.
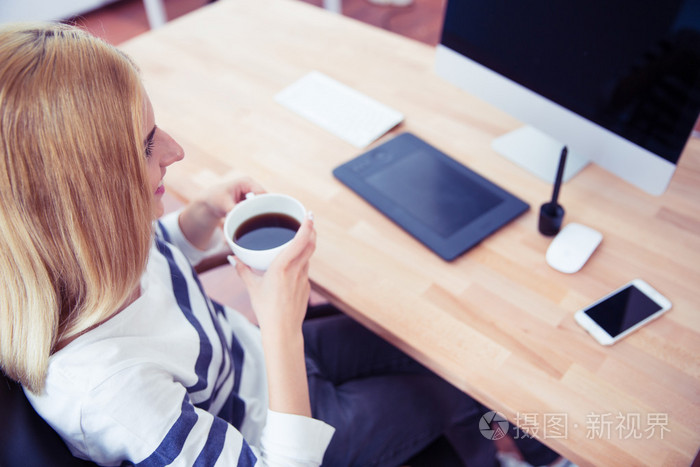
point(107, 328)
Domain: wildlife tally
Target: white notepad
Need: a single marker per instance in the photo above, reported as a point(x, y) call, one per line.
point(339, 109)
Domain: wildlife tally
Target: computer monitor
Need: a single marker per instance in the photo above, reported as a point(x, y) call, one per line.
point(617, 82)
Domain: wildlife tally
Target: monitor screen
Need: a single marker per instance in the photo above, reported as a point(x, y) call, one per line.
point(619, 81)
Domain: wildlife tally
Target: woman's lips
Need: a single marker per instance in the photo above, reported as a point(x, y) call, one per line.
point(161, 189)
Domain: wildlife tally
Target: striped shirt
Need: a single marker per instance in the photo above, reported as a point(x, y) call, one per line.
point(173, 379)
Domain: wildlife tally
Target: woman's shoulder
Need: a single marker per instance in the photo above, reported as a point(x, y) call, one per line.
point(147, 334)
point(92, 394)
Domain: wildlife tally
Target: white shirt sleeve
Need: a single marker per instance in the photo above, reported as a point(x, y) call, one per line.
point(130, 388)
point(294, 440)
point(141, 414)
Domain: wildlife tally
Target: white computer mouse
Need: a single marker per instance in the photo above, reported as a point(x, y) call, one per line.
point(572, 247)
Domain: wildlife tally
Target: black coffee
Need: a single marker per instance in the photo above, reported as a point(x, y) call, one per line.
point(266, 231)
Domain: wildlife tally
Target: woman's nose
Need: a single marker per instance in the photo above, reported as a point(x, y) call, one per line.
point(174, 151)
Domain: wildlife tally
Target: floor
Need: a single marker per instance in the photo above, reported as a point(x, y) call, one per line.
point(420, 20)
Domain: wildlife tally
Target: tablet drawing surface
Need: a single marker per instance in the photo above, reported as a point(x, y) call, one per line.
point(445, 205)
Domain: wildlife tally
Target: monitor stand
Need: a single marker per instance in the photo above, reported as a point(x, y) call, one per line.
point(538, 153)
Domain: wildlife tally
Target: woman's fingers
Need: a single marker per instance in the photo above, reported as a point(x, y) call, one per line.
point(302, 245)
point(242, 186)
point(222, 197)
point(245, 273)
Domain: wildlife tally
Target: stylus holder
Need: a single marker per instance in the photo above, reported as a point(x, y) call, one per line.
point(551, 213)
point(551, 216)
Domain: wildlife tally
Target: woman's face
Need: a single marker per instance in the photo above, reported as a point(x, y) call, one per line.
point(161, 151)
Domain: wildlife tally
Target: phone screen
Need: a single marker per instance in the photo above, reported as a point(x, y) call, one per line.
point(623, 310)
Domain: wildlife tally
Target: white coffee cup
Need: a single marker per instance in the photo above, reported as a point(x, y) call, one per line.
point(256, 205)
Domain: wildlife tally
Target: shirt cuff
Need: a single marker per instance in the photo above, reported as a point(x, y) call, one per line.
point(171, 224)
point(289, 439)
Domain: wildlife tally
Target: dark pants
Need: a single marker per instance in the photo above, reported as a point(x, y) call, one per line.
point(384, 406)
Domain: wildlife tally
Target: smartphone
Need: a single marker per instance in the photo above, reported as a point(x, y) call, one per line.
point(622, 311)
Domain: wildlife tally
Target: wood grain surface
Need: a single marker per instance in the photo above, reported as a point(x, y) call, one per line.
point(498, 321)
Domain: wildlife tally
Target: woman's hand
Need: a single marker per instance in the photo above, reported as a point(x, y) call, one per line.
point(204, 214)
point(279, 298)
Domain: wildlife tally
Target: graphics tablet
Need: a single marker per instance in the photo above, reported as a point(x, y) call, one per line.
point(442, 203)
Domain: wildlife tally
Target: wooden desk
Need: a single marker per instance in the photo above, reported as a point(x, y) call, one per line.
point(497, 322)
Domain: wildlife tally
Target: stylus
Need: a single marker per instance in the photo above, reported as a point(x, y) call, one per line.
point(560, 174)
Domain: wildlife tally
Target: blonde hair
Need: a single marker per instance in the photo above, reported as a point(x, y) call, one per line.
point(75, 203)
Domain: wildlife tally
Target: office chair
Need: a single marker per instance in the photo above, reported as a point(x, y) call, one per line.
point(26, 439)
